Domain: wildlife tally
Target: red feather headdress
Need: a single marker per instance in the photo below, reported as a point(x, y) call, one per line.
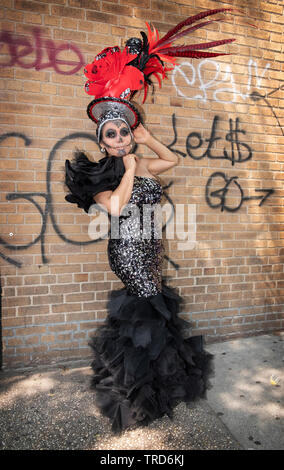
point(115, 76)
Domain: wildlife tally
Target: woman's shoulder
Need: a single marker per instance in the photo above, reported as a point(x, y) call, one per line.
point(143, 167)
point(142, 164)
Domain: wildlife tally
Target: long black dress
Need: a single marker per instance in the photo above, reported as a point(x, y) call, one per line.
point(144, 364)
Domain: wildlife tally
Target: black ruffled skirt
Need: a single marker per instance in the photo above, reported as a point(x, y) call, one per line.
point(144, 362)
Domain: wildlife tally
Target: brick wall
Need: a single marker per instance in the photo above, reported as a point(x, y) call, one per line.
point(229, 126)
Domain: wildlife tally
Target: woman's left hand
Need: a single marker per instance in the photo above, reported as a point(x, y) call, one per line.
point(141, 135)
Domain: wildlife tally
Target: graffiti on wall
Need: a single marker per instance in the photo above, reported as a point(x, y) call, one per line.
point(46, 52)
point(215, 198)
point(222, 193)
point(41, 53)
point(256, 96)
point(48, 210)
point(239, 152)
point(195, 75)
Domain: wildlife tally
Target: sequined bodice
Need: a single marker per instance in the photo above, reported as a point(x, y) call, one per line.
point(135, 248)
point(140, 217)
point(146, 190)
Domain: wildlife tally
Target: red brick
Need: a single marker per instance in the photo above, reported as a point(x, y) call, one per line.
point(67, 11)
point(33, 310)
point(140, 3)
point(88, 4)
point(101, 17)
point(30, 330)
point(117, 9)
point(31, 6)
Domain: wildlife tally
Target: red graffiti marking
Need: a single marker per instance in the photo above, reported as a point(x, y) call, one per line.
point(20, 47)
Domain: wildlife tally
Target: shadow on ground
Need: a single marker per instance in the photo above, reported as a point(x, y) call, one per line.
point(55, 409)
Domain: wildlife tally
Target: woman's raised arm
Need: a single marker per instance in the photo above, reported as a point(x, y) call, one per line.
point(167, 159)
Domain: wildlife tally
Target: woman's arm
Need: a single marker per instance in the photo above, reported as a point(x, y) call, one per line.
point(167, 159)
point(115, 200)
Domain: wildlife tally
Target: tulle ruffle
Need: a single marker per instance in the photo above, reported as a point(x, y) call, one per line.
point(85, 179)
point(144, 362)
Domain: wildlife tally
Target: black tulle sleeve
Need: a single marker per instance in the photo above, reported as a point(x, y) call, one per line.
point(85, 178)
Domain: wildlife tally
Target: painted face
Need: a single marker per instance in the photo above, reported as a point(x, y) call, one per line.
point(116, 138)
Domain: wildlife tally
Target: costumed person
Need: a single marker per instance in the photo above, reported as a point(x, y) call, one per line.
point(144, 364)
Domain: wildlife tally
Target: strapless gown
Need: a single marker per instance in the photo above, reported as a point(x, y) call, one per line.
point(144, 362)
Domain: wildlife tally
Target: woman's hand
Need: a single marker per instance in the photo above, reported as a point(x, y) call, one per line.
point(141, 135)
point(129, 161)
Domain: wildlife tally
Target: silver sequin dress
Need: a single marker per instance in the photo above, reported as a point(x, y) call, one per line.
point(144, 364)
point(136, 257)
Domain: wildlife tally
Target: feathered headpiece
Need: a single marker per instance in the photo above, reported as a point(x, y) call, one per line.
point(115, 76)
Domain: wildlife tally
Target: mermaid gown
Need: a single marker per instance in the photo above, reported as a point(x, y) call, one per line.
point(144, 363)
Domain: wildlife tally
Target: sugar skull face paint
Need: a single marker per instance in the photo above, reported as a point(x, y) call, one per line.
point(116, 138)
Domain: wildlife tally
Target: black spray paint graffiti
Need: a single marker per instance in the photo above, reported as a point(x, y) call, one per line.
point(49, 205)
point(221, 194)
point(255, 96)
point(240, 152)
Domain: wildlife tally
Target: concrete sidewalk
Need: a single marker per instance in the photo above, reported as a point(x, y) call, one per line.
point(52, 408)
point(246, 394)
